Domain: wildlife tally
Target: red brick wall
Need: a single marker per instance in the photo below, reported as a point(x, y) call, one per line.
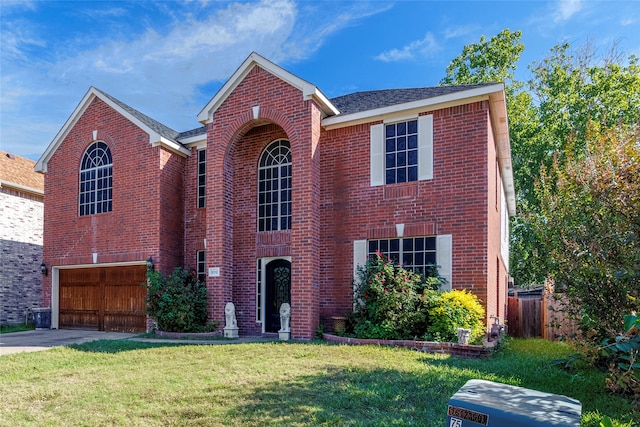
point(195, 225)
point(144, 180)
point(231, 182)
point(453, 202)
point(155, 196)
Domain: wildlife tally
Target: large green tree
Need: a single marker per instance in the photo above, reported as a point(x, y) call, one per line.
point(548, 117)
point(589, 223)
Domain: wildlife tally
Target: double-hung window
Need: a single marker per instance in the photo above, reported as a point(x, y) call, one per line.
point(96, 180)
point(402, 151)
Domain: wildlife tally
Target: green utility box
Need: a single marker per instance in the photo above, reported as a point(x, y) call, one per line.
point(486, 403)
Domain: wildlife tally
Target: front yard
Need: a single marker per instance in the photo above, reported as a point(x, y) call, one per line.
point(288, 384)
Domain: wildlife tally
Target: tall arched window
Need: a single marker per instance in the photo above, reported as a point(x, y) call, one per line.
point(96, 180)
point(274, 187)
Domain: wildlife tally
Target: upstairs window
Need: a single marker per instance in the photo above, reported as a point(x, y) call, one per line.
point(274, 187)
point(96, 180)
point(202, 171)
point(402, 151)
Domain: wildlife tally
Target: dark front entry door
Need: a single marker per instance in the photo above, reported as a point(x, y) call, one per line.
point(278, 291)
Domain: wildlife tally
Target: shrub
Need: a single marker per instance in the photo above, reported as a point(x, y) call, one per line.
point(624, 352)
point(448, 311)
point(177, 303)
point(389, 301)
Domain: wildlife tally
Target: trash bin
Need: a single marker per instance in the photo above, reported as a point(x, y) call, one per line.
point(42, 317)
point(486, 403)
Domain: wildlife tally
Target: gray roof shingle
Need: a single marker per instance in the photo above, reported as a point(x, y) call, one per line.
point(155, 125)
point(347, 104)
point(370, 100)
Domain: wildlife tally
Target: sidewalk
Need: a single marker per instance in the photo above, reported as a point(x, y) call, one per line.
point(44, 339)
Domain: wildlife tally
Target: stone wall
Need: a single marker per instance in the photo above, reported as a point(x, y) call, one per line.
point(21, 217)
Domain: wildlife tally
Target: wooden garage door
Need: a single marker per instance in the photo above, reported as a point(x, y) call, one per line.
point(103, 298)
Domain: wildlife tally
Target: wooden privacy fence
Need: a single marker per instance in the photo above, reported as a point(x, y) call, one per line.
point(539, 316)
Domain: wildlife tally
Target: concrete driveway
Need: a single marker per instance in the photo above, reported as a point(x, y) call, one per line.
point(45, 339)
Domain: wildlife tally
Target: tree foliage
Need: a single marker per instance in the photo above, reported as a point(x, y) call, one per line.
point(548, 118)
point(589, 223)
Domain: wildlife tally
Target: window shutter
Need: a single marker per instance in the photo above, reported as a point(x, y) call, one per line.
point(359, 255)
point(359, 260)
point(425, 147)
point(444, 258)
point(377, 154)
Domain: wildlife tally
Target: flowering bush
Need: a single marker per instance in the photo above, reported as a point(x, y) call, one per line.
point(177, 303)
point(389, 303)
point(448, 311)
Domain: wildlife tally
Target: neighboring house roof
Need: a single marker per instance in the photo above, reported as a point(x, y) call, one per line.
point(17, 172)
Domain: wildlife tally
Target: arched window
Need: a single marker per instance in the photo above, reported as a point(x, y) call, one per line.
point(274, 187)
point(96, 180)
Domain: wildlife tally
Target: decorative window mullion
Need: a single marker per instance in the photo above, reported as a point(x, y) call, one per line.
point(96, 180)
point(274, 187)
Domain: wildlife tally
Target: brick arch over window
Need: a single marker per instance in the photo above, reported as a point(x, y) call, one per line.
point(96, 180)
point(237, 128)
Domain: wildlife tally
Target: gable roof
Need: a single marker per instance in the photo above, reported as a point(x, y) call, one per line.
point(308, 90)
point(17, 172)
point(159, 134)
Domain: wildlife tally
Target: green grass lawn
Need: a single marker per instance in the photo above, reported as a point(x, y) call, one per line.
point(7, 329)
point(284, 384)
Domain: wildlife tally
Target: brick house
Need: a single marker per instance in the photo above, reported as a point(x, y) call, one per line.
point(21, 212)
point(277, 197)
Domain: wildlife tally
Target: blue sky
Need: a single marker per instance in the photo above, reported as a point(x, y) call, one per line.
point(168, 58)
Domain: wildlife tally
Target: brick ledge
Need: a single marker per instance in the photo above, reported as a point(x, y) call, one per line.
point(454, 349)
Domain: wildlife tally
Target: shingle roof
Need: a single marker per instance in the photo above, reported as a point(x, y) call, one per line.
point(346, 104)
point(19, 171)
point(155, 125)
point(369, 100)
point(193, 132)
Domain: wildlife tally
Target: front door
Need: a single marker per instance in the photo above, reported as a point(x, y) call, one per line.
point(278, 291)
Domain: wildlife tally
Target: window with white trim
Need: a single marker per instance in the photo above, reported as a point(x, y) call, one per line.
point(363, 249)
point(274, 187)
point(200, 266)
point(413, 253)
point(96, 180)
point(202, 170)
point(402, 151)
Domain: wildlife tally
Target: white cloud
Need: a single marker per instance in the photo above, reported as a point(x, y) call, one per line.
point(460, 31)
point(566, 9)
point(627, 21)
point(158, 71)
point(425, 47)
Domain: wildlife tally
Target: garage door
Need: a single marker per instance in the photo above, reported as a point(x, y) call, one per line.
point(103, 298)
